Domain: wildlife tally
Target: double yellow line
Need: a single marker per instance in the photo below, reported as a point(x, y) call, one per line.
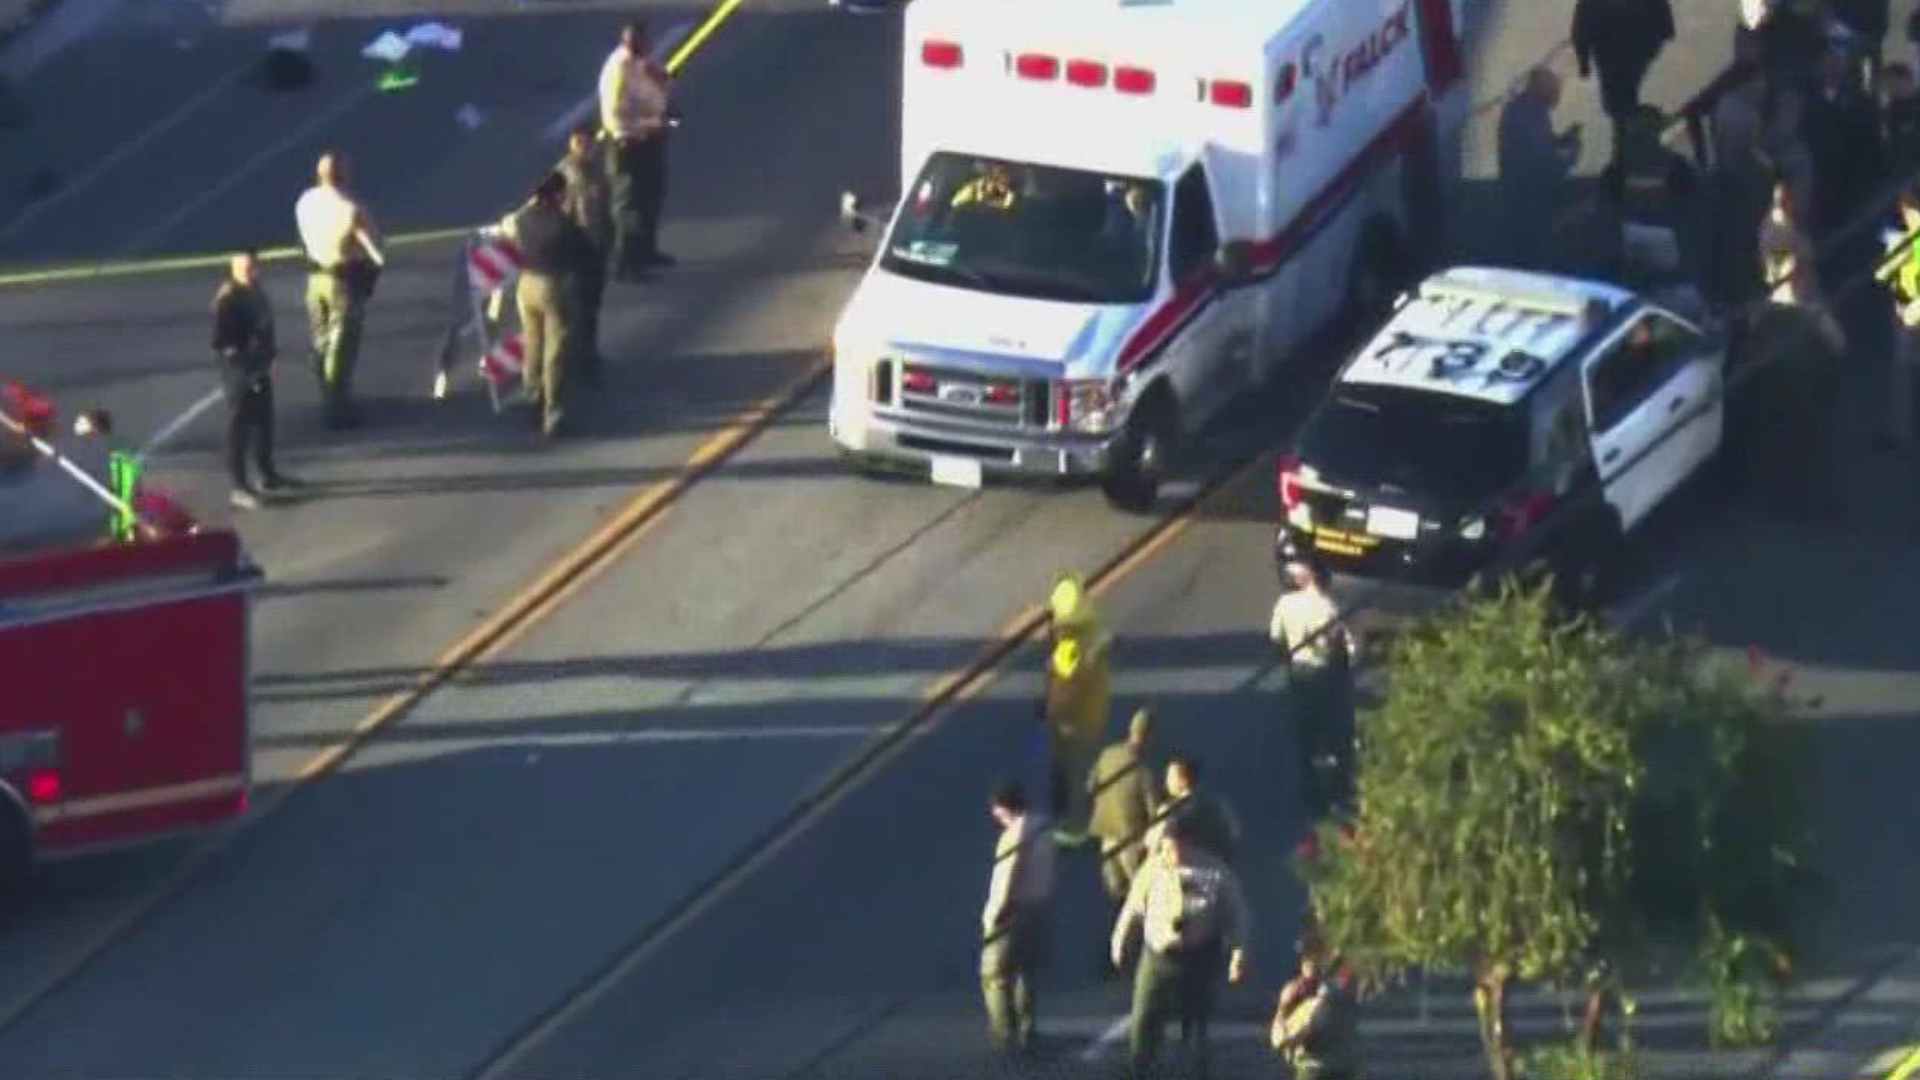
point(55, 275)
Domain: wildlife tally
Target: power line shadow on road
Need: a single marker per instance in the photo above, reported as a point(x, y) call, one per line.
point(838, 659)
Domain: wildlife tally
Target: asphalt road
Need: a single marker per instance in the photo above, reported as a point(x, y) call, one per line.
point(486, 856)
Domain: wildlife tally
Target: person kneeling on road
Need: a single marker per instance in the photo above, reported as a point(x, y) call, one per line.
point(556, 254)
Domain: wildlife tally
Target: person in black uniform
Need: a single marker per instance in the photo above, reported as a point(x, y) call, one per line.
point(243, 342)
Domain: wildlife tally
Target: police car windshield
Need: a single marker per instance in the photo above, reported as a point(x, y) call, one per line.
point(1029, 230)
point(1429, 445)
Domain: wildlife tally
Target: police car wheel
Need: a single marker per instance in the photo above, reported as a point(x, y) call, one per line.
point(1140, 456)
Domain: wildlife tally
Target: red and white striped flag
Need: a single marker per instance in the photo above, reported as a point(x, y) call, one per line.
point(503, 361)
point(492, 264)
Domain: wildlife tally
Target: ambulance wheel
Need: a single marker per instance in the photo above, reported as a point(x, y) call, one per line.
point(1142, 454)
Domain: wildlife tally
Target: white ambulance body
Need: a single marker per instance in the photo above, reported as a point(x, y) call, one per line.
point(1187, 189)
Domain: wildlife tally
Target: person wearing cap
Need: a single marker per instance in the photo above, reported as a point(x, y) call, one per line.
point(633, 118)
point(555, 253)
point(343, 263)
point(1316, 650)
point(1125, 799)
point(1191, 915)
point(1078, 695)
point(1013, 922)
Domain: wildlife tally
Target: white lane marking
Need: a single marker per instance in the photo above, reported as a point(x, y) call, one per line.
point(106, 165)
point(1629, 613)
point(53, 32)
point(579, 111)
point(179, 423)
point(339, 108)
point(1108, 1038)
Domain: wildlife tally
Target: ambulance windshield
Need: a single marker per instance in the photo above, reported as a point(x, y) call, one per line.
point(1030, 230)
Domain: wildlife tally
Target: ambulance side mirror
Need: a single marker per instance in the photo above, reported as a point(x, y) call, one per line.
point(1233, 261)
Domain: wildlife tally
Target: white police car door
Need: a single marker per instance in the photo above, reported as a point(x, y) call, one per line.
point(1649, 412)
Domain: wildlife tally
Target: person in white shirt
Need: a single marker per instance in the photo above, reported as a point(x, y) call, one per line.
point(1317, 650)
point(343, 261)
point(634, 120)
point(1013, 922)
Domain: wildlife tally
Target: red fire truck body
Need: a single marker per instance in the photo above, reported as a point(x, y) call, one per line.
point(124, 675)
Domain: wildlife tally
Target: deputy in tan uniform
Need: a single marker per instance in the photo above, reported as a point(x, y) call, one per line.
point(1013, 924)
point(1192, 916)
point(343, 262)
point(633, 119)
point(589, 204)
point(1317, 649)
point(1316, 1025)
point(1125, 798)
point(554, 253)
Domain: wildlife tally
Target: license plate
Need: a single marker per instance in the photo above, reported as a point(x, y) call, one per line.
point(956, 472)
point(1393, 524)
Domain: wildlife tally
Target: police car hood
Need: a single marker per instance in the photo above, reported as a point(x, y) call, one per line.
point(946, 323)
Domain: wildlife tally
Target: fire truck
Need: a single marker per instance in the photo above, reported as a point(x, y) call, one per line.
point(123, 654)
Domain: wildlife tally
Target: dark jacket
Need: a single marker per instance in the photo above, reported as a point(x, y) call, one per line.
point(1901, 123)
point(1867, 18)
point(243, 328)
point(1606, 30)
point(551, 245)
point(1849, 160)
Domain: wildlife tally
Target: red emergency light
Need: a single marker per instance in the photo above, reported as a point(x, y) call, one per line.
point(1230, 93)
point(1133, 80)
point(43, 786)
point(1003, 394)
point(1090, 73)
point(1037, 66)
point(918, 382)
point(941, 54)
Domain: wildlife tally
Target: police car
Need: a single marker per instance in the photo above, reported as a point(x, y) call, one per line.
point(1503, 419)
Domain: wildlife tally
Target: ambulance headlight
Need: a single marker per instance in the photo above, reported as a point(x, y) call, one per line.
point(1087, 406)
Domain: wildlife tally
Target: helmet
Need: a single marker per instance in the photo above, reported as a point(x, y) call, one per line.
point(1287, 550)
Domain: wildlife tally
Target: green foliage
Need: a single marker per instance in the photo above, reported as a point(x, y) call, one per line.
point(1544, 800)
point(1573, 1063)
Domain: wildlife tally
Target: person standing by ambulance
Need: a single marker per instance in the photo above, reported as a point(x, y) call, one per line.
point(589, 204)
point(633, 119)
point(343, 262)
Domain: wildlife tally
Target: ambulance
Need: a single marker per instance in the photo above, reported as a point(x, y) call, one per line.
point(1119, 215)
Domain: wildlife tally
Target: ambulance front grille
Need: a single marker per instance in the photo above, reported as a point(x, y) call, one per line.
point(971, 397)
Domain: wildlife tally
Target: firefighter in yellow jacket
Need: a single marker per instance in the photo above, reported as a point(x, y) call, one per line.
point(1078, 696)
